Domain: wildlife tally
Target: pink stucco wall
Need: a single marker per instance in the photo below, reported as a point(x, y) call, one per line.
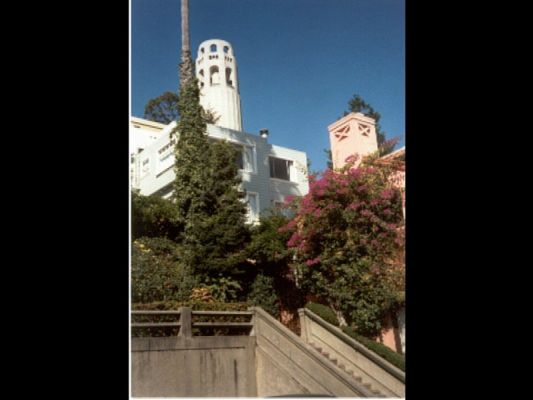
point(353, 134)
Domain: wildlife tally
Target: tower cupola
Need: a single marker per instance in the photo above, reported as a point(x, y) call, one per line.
point(216, 71)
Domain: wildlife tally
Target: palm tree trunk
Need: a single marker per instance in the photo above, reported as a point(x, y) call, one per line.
point(186, 65)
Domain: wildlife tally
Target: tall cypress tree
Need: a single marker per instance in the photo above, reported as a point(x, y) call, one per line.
point(206, 188)
point(206, 193)
point(217, 235)
point(191, 155)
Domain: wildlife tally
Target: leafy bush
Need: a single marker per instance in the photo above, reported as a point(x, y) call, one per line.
point(222, 288)
point(156, 272)
point(324, 312)
point(153, 216)
point(262, 294)
point(381, 350)
point(195, 305)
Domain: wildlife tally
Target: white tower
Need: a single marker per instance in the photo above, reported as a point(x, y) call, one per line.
point(216, 70)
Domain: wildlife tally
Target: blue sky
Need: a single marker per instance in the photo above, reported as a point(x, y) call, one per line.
point(299, 61)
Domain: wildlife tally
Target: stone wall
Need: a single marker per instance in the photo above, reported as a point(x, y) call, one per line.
point(208, 366)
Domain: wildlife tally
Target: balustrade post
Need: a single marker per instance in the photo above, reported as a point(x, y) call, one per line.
point(186, 322)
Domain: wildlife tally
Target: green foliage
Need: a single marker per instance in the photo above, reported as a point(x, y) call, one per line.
point(195, 305)
point(263, 294)
point(329, 158)
point(223, 289)
point(357, 104)
point(191, 155)
point(163, 109)
point(381, 350)
point(324, 312)
point(153, 216)
point(273, 284)
point(156, 272)
point(206, 195)
point(267, 246)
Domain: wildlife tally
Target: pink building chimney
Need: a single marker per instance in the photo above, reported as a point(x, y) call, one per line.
point(353, 134)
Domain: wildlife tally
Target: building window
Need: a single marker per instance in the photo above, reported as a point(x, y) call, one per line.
point(213, 48)
point(214, 78)
point(252, 203)
point(226, 49)
point(280, 207)
point(280, 169)
point(245, 158)
point(145, 161)
point(229, 81)
point(239, 157)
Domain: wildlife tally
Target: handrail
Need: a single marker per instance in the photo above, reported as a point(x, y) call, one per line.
point(387, 366)
point(153, 324)
point(155, 312)
point(222, 312)
point(301, 345)
point(186, 323)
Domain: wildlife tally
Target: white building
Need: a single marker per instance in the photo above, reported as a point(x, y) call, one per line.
point(269, 173)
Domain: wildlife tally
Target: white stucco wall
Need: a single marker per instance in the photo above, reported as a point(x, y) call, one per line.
point(153, 171)
point(143, 133)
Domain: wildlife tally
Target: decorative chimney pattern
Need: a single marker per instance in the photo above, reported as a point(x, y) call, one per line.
point(353, 134)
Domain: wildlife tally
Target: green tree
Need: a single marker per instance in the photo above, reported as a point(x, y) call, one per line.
point(357, 104)
point(216, 232)
point(273, 283)
point(163, 109)
point(263, 294)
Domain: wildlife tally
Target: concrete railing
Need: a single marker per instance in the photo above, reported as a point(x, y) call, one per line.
point(269, 360)
point(186, 323)
point(372, 369)
point(285, 365)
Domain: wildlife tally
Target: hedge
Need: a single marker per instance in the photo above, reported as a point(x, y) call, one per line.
point(396, 359)
point(195, 305)
point(324, 312)
point(328, 315)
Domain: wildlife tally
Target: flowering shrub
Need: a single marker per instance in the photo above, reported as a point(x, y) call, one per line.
point(347, 239)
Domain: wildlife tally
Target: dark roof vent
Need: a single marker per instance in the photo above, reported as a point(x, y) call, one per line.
point(264, 133)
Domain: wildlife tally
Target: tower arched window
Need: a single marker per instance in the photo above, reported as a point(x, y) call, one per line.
point(229, 80)
point(213, 48)
point(202, 50)
point(226, 49)
point(214, 78)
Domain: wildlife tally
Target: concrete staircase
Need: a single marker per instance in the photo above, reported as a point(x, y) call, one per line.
point(374, 374)
point(358, 378)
